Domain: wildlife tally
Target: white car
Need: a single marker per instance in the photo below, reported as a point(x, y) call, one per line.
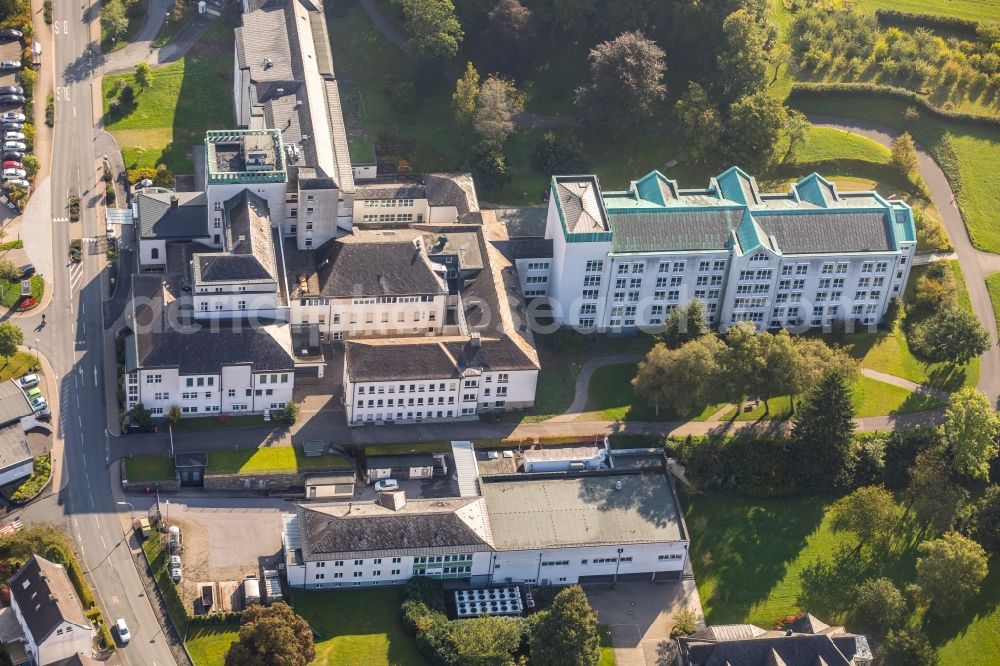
point(175, 574)
point(386, 484)
point(28, 381)
point(123, 633)
point(175, 561)
point(14, 145)
point(13, 136)
point(14, 173)
point(18, 181)
point(13, 117)
point(39, 404)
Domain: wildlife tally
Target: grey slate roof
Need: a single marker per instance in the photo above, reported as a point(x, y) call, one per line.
point(159, 219)
point(48, 600)
point(581, 203)
point(525, 248)
point(828, 231)
point(431, 359)
point(567, 512)
point(451, 189)
point(13, 404)
point(668, 230)
point(13, 446)
point(326, 533)
point(796, 650)
point(205, 351)
point(356, 269)
point(249, 254)
point(390, 189)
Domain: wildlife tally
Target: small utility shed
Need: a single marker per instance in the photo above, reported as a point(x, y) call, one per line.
point(338, 485)
point(191, 467)
point(563, 459)
point(405, 466)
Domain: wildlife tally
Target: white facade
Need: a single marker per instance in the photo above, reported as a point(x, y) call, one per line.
point(371, 316)
point(566, 566)
point(533, 276)
point(622, 261)
point(392, 570)
point(236, 390)
point(228, 300)
point(64, 642)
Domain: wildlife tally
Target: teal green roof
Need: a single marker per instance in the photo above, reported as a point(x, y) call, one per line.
point(749, 234)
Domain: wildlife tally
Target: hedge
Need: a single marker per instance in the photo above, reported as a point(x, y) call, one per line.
point(892, 92)
point(105, 638)
point(931, 21)
point(57, 554)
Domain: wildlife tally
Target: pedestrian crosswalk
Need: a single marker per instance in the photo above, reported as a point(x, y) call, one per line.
point(75, 275)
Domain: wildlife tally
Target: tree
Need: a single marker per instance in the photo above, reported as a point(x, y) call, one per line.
point(879, 604)
point(512, 33)
point(143, 75)
point(626, 81)
point(174, 414)
point(466, 93)
point(698, 123)
point(559, 154)
point(824, 427)
point(9, 270)
point(797, 128)
point(10, 337)
point(685, 323)
point(950, 570)
point(908, 648)
point(290, 414)
point(114, 18)
point(904, 154)
point(952, 335)
point(434, 29)
point(272, 635)
point(685, 623)
point(868, 512)
point(970, 429)
point(488, 164)
point(31, 164)
point(986, 520)
point(499, 101)
point(682, 380)
point(742, 61)
point(486, 640)
point(752, 133)
point(566, 633)
point(933, 495)
point(743, 362)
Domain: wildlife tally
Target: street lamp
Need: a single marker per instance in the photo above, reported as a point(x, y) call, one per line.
point(618, 563)
point(131, 509)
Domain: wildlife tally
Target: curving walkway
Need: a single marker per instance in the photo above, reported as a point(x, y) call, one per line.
point(976, 264)
point(582, 390)
point(913, 387)
point(142, 49)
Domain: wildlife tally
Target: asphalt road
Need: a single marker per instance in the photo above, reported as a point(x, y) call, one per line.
point(73, 342)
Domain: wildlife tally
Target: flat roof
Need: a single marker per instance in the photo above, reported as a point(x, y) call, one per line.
point(562, 453)
point(13, 403)
point(582, 511)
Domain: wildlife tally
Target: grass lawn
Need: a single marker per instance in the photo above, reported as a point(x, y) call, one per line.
point(11, 290)
point(17, 365)
point(993, 286)
point(358, 627)
point(975, 10)
point(611, 398)
point(173, 114)
point(149, 468)
point(403, 449)
point(175, 24)
point(222, 422)
point(749, 555)
point(271, 459)
point(208, 644)
point(156, 556)
point(607, 652)
point(826, 143)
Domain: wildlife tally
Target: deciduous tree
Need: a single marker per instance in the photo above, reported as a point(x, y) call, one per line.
point(698, 123)
point(933, 494)
point(950, 571)
point(433, 28)
point(143, 75)
point(879, 604)
point(986, 520)
point(868, 512)
point(498, 103)
point(743, 57)
point(970, 430)
point(907, 648)
point(754, 128)
point(626, 81)
point(559, 154)
point(512, 35)
point(10, 336)
point(951, 335)
point(271, 635)
point(685, 323)
point(683, 380)
point(486, 640)
point(904, 154)
point(566, 633)
point(466, 93)
point(113, 17)
point(488, 164)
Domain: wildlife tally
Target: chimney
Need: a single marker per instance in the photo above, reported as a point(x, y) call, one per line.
point(474, 340)
point(394, 500)
point(173, 201)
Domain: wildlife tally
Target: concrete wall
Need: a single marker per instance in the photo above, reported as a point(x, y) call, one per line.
point(261, 482)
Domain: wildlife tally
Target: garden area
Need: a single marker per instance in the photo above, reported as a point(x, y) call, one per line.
point(159, 123)
point(18, 365)
point(286, 459)
point(10, 293)
point(31, 486)
point(140, 469)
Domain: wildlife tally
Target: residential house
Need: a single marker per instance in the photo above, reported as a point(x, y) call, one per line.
point(52, 618)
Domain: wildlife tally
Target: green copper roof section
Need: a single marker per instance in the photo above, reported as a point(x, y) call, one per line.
point(737, 185)
point(904, 230)
point(219, 170)
point(816, 190)
point(656, 188)
point(749, 235)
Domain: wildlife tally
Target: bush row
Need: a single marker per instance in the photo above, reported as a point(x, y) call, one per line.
point(930, 21)
point(232, 617)
point(57, 554)
point(34, 484)
point(804, 90)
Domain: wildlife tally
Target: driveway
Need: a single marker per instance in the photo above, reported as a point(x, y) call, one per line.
point(639, 617)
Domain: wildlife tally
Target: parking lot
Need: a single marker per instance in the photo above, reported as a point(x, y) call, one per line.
point(9, 51)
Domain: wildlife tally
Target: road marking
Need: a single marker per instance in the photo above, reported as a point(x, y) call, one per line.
point(60, 219)
point(84, 325)
point(78, 401)
point(80, 419)
point(95, 375)
point(103, 542)
point(75, 275)
point(83, 307)
point(84, 456)
point(115, 599)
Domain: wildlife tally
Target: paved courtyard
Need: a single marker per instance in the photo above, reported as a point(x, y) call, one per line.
point(639, 617)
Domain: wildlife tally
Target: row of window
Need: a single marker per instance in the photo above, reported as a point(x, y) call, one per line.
point(388, 203)
point(430, 414)
point(389, 217)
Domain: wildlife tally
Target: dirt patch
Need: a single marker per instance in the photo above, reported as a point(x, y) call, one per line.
point(194, 560)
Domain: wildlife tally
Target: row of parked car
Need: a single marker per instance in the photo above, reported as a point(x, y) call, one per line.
point(12, 122)
point(29, 384)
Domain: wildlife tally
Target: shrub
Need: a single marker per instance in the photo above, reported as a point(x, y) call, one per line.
point(427, 591)
point(141, 173)
point(685, 623)
point(35, 483)
point(290, 414)
point(50, 110)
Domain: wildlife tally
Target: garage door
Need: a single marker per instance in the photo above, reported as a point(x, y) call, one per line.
point(307, 372)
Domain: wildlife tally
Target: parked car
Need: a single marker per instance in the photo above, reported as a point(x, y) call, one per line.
point(12, 99)
point(13, 136)
point(14, 145)
point(14, 173)
point(44, 415)
point(10, 65)
point(8, 34)
point(13, 116)
point(12, 164)
point(123, 634)
point(34, 393)
point(11, 90)
point(39, 404)
point(175, 561)
point(13, 127)
point(175, 574)
point(18, 181)
point(13, 155)
point(27, 381)
point(387, 484)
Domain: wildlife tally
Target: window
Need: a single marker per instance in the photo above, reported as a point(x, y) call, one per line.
point(678, 266)
point(592, 281)
point(595, 266)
